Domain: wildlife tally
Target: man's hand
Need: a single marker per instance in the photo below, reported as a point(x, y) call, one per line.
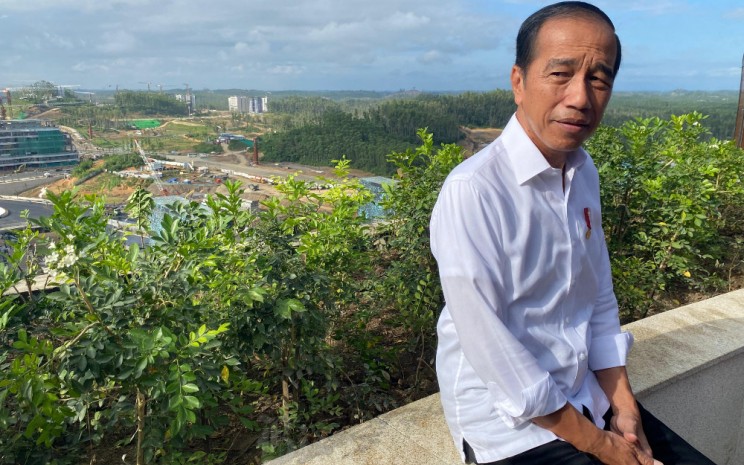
point(628, 425)
point(611, 448)
point(626, 422)
point(614, 449)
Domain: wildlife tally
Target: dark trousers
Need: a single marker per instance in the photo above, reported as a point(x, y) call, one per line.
point(667, 446)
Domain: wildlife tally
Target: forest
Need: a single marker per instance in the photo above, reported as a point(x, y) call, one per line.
point(149, 103)
point(315, 130)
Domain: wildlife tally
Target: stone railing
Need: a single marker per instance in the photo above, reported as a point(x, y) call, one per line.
point(687, 367)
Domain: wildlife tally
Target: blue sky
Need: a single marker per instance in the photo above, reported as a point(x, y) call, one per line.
point(345, 44)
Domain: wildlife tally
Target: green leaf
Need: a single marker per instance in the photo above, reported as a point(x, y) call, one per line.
point(141, 365)
point(191, 402)
point(190, 388)
point(284, 308)
point(175, 401)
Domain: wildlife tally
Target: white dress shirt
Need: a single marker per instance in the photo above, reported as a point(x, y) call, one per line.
point(530, 309)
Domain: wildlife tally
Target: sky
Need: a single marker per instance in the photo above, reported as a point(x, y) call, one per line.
point(384, 45)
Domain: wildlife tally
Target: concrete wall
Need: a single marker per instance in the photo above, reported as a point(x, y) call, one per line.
point(686, 367)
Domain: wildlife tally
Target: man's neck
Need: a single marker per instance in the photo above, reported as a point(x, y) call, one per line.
point(556, 160)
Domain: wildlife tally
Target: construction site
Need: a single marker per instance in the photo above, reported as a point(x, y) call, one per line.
point(188, 157)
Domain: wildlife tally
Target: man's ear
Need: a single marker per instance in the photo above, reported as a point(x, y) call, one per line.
point(517, 83)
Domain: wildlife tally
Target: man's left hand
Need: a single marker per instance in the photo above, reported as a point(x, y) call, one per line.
point(628, 425)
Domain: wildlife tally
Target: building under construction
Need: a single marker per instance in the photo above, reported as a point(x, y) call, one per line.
point(34, 144)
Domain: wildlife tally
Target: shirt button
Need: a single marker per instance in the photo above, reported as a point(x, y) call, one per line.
point(567, 320)
point(582, 356)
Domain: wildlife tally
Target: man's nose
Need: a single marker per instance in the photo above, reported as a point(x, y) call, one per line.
point(577, 94)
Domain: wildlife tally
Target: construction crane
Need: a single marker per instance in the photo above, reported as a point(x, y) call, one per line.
point(149, 165)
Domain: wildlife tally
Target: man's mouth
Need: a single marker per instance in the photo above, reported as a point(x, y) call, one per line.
point(573, 124)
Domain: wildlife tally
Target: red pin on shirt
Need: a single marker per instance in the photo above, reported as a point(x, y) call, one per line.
point(588, 221)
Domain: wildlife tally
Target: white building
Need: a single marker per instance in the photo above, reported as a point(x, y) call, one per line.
point(189, 100)
point(238, 104)
point(241, 104)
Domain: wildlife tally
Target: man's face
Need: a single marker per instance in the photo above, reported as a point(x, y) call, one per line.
point(562, 96)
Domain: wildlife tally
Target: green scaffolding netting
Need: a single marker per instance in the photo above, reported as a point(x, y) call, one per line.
point(145, 123)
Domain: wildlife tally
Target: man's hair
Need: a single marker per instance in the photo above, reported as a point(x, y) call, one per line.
point(531, 26)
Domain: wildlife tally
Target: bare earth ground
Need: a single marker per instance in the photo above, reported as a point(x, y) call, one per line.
point(476, 139)
point(118, 192)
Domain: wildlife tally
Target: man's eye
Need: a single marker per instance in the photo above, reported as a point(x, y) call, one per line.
point(600, 81)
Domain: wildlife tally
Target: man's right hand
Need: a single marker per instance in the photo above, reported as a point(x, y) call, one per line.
point(613, 449)
point(609, 447)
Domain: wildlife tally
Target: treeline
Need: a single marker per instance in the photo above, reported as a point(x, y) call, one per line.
point(100, 117)
point(127, 105)
point(300, 111)
point(317, 130)
point(718, 107)
point(336, 134)
point(149, 103)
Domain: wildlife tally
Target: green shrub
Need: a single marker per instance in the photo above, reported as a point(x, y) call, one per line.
point(83, 167)
point(302, 318)
point(206, 147)
point(673, 202)
point(122, 162)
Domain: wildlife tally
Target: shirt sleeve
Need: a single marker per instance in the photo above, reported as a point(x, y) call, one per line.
point(465, 241)
point(609, 344)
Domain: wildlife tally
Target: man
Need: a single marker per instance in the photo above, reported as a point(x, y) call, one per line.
point(531, 356)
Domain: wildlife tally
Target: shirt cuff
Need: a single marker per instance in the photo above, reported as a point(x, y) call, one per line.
point(542, 398)
point(610, 351)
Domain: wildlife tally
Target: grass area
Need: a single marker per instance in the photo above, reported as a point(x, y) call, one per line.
point(182, 129)
point(175, 134)
point(106, 142)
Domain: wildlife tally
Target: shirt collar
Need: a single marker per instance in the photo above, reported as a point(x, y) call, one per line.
point(526, 158)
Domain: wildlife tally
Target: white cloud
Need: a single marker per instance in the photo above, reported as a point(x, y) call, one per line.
point(434, 56)
point(737, 13)
point(62, 42)
point(286, 69)
point(254, 44)
point(724, 72)
point(79, 5)
point(408, 20)
point(118, 42)
point(84, 67)
point(295, 43)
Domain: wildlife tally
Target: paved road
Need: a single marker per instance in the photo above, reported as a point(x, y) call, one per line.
point(15, 183)
point(15, 207)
